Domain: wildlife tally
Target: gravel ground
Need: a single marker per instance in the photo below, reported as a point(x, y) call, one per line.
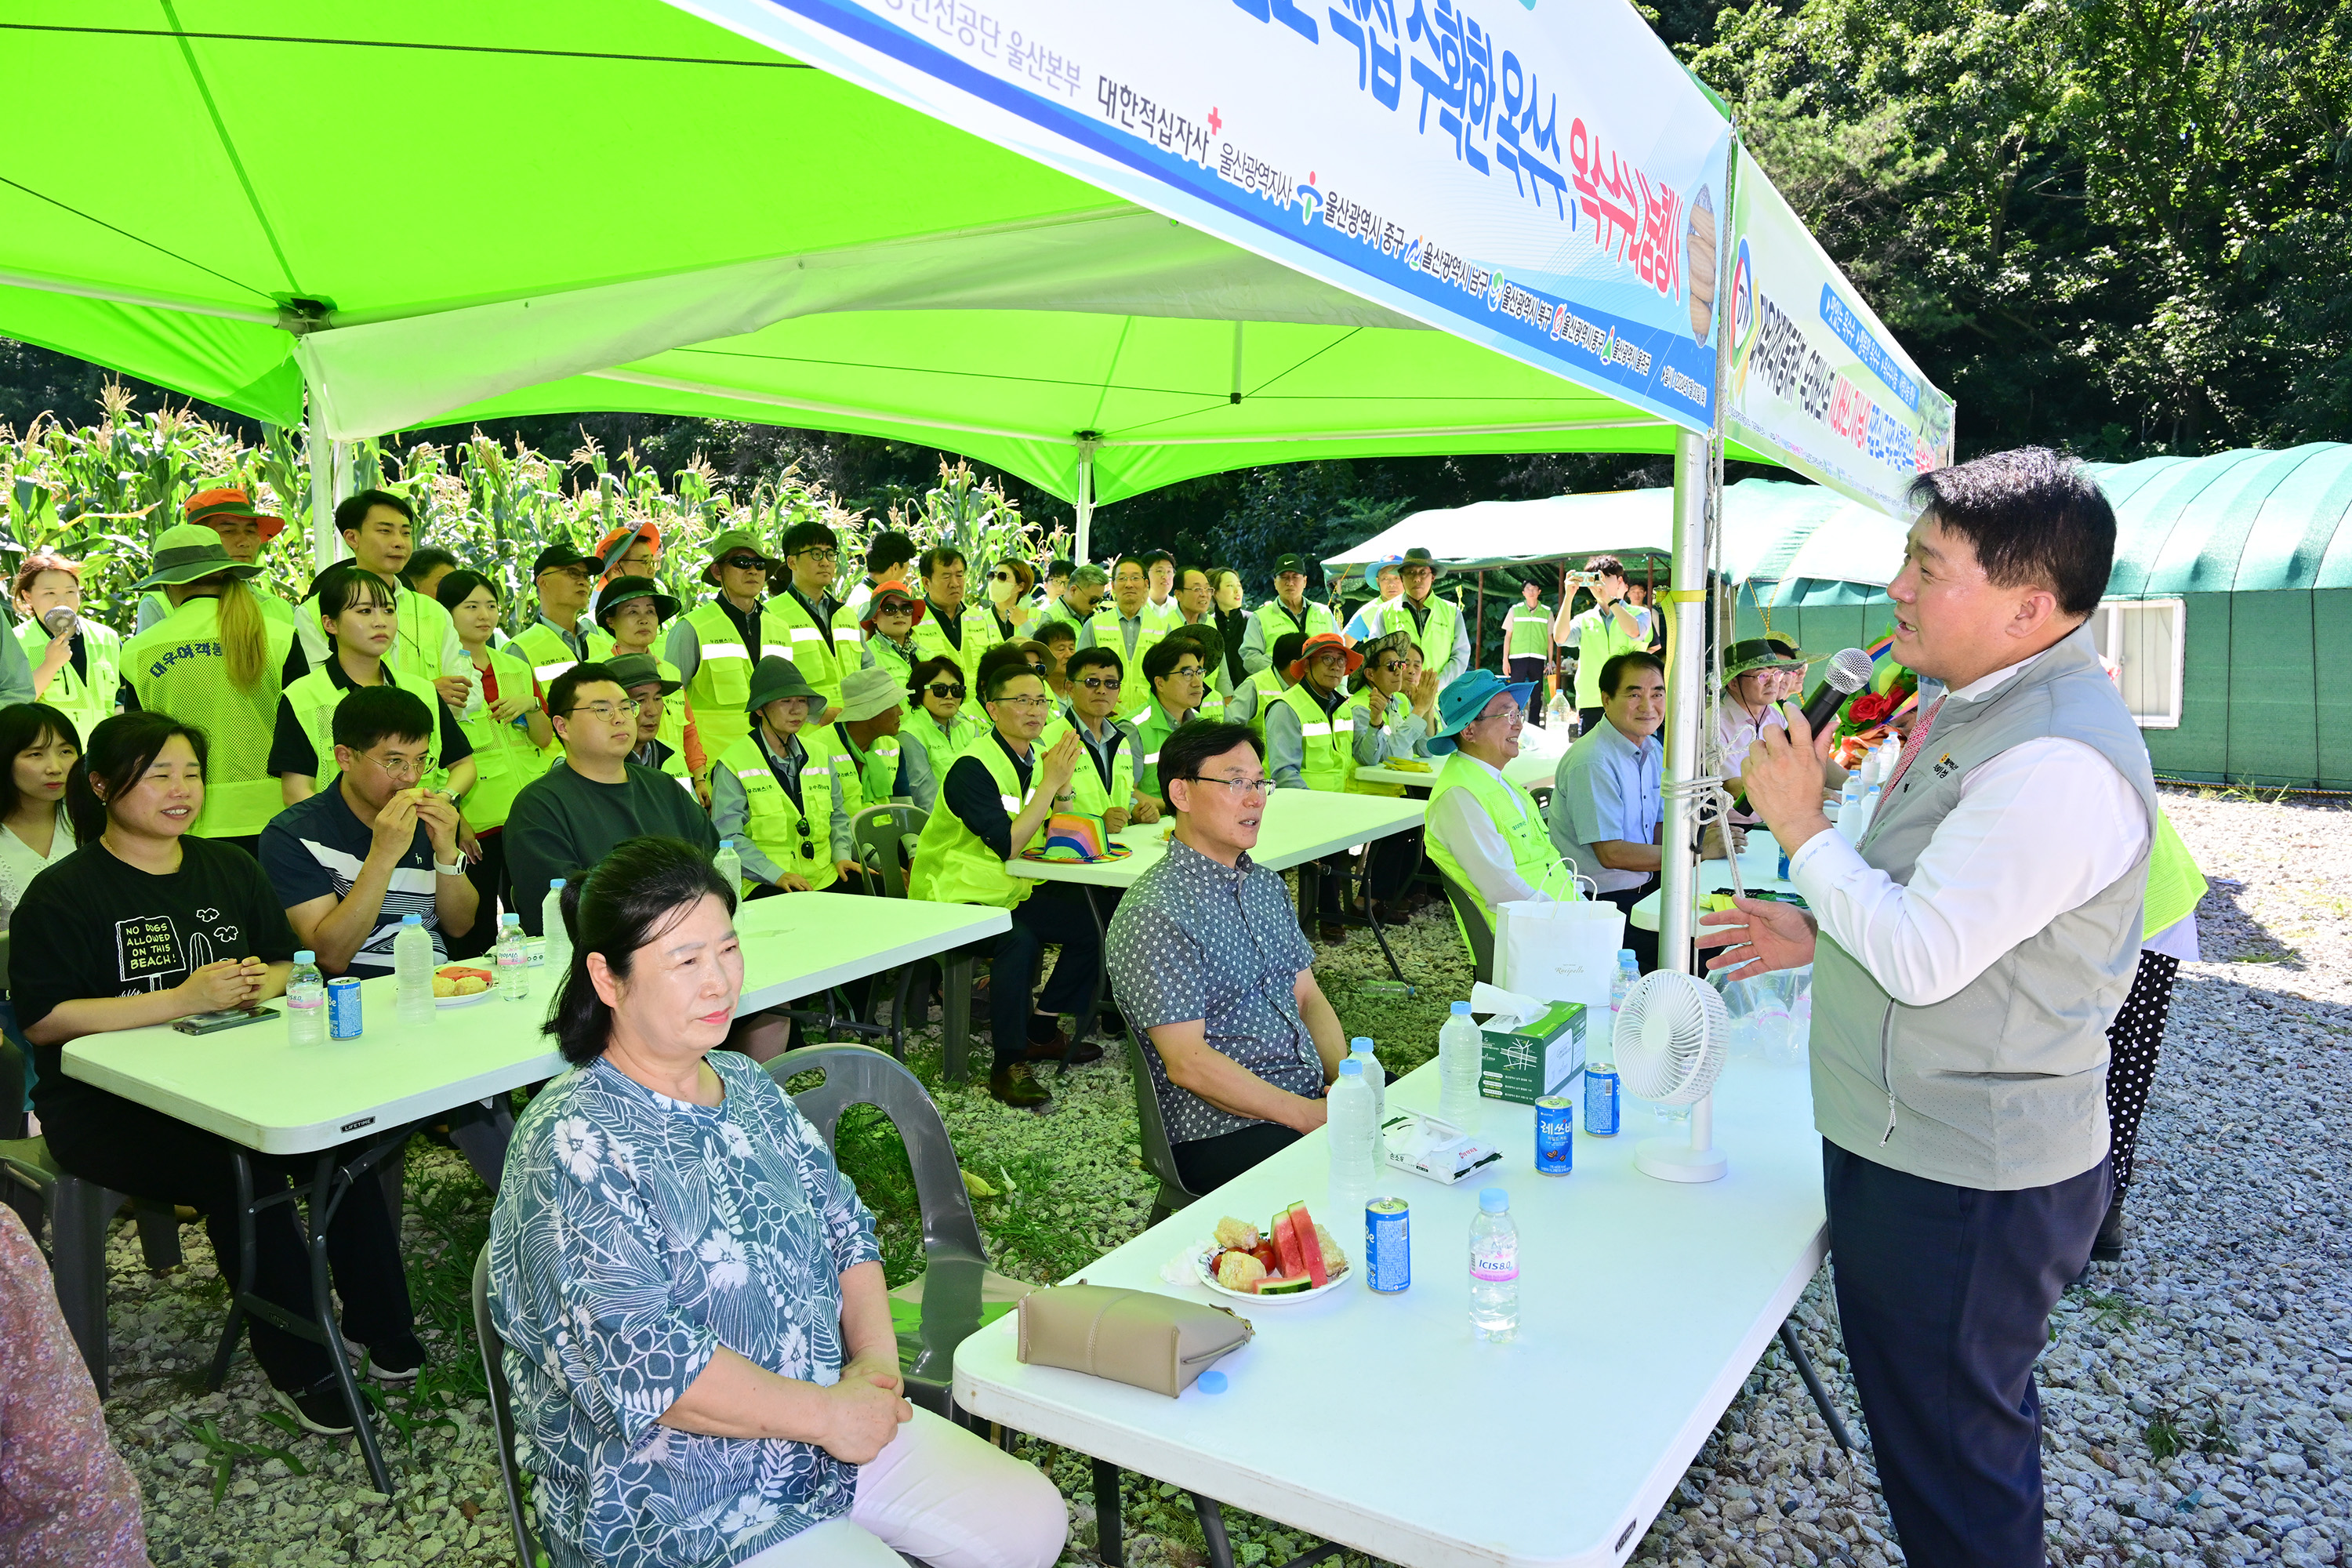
point(2195, 1396)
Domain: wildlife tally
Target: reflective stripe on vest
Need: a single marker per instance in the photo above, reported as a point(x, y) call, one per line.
point(711, 650)
point(952, 865)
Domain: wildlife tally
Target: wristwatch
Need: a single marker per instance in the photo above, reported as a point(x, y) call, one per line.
point(453, 868)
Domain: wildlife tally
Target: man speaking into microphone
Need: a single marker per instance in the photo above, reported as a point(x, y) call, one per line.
point(1968, 955)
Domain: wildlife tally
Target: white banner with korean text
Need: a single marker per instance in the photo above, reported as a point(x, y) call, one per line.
point(1540, 176)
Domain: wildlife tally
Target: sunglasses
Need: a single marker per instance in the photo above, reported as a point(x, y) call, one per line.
point(1002, 577)
point(745, 562)
point(1097, 683)
point(941, 689)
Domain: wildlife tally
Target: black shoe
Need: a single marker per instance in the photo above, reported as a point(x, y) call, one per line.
point(1017, 1086)
point(1333, 933)
point(319, 1408)
point(1051, 1050)
point(1110, 1020)
point(396, 1360)
point(2108, 1246)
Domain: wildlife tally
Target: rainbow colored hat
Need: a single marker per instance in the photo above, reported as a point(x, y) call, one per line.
point(1069, 836)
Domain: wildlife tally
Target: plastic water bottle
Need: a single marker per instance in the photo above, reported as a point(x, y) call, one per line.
point(730, 864)
point(1864, 812)
point(1601, 1108)
point(412, 971)
point(1849, 803)
point(1351, 1128)
point(513, 960)
point(1558, 716)
point(556, 940)
point(1459, 1054)
point(1493, 1269)
point(1621, 985)
point(306, 1001)
point(1360, 1050)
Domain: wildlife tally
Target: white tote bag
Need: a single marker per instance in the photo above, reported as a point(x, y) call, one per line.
point(1562, 951)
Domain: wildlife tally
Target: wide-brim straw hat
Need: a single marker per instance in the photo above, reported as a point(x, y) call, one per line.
point(187, 552)
point(1762, 653)
point(1316, 645)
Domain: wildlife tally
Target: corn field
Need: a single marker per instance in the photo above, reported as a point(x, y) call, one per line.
point(100, 494)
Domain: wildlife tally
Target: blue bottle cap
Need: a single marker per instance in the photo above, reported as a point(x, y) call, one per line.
point(555, 884)
point(1211, 1382)
point(1462, 1009)
point(1360, 1043)
point(1494, 1200)
point(412, 920)
point(727, 844)
point(1352, 1066)
point(305, 955)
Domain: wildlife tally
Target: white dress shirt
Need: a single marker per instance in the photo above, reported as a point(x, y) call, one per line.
point(2038, 830)
point(1470, 836)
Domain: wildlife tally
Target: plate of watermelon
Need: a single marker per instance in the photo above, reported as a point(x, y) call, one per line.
point(1291, 1260)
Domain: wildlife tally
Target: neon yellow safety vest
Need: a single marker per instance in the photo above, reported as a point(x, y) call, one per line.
point(1134, 689)
point(1599, 639)
point(978, 628)
point(1359, 714)
point(798, 839)
point(2175, 884)
point(722, 681)
point(940, 747)
point(504, 758)
point(85, 701)
point(315, 698)
point(1527, 632)
point(1327, 750)
point(869, 780)
point(176, 667)
point(422, 630)
point(1090, 795)
point(551, 655)
point(888, 657)
point(672, 732)
point(1274, 620)
point(1152, 728)
point(953, 864)
point(1512, 810)
point(821, 654)
point(1435, 637)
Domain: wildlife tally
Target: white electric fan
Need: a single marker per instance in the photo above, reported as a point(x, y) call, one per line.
point(1671, 1040)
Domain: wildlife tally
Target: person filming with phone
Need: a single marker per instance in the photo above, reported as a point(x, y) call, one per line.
point(1968, 955)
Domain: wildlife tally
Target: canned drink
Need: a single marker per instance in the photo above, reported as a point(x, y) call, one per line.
point(1555, 1135)
point(1600, 1103)
point(343, 1008)
point(1388, 1245)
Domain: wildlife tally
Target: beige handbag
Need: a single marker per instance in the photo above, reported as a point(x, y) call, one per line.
point(1159, 1343)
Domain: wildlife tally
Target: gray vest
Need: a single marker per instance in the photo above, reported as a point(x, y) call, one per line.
point(2002, 1086)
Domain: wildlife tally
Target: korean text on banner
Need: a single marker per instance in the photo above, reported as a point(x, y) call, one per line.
point(1815, 377)
point(1539, 176)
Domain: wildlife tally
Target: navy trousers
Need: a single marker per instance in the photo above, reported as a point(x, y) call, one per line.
point(1944, 1294)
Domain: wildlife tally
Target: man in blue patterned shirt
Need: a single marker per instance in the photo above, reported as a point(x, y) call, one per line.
point(1207, 958)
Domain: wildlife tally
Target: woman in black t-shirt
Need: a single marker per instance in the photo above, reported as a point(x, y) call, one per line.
point(143, 925)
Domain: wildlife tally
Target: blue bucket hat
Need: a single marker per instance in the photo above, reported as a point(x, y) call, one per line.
point(1464, 698)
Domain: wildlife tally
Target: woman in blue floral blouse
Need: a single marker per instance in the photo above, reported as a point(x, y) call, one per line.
point(690, 1294)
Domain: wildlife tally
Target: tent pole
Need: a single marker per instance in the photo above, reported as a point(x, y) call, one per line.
point(323, 499)
point(1685, 698)
point(1479, 626)
point(1085, 498)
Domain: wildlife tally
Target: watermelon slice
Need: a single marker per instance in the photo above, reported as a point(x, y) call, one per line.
point(1283, 1285)
point(1285, 1241)
point(1310, 1251)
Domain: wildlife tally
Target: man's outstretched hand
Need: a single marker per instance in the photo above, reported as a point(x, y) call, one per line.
point(1757, 936)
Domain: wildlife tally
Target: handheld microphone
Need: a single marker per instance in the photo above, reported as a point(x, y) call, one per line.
point(1848, 672)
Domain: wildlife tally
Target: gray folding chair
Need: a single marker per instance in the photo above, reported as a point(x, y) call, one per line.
point(76, 1215)
point(1470, 915)
point(956, 1278)
point(885, 837)
point(494, 1372)
point(1157, 1157)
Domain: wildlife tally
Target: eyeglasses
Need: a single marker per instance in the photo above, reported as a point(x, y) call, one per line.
point(942, 690)
point(1186, 671)
point(1021, 701)
point(818, 554)
point(745, 562)
point(625, 708)
point(1246, 789)
point(402, 768)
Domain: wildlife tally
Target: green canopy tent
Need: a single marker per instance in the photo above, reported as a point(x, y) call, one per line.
point(432, 212)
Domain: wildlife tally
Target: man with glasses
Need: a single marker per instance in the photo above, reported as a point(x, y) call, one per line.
point(1435, 625)
point(715, 645)
point(994, 804)
point(776, 792)
point(1088, 583)
point(1252, 697)
point(1108, 788)
point(1614, 624)
point(1124, 626)
point(1288, 611)
point(1484, 831)
point(564, 822)
point(1178, 673)
point(1390, 719)
point(560, 638)
point(1311, 744)
point(820, 632)
point(642, 678)
point(1207, 960)
point(954, 628)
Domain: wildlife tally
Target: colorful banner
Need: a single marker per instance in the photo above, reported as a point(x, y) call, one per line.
point(1540, 176)
point(1815, 377)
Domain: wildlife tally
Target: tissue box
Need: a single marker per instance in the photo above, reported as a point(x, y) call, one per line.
point(1523, 1062)
point(1438, 1150)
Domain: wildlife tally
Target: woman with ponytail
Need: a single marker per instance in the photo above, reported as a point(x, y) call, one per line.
point(214, 662)
point(674, 1247)
point(146, 923)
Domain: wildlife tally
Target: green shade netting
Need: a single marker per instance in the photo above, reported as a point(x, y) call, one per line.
point(532, 207)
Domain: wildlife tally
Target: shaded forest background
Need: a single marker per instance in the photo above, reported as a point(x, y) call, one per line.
point(2116, 226)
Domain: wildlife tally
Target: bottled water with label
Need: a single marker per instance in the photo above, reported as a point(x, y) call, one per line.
point(513, 960)
point(730, 864)
point(1459, 1049)
point(556, 942)
point(306, 1001)
point(1360, 1050)
point(412, 971)
point(1493, 1269)
point(1349, 1128)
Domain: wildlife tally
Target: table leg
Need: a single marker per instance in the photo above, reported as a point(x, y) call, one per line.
point(955, 1014)
point(1107, 1524)
point(1310, 884)
point(899, 1011)
point(1796, 1350)
point(324, 1200)
point(1213, 1530)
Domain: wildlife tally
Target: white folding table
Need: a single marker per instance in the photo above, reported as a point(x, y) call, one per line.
point(1379, 1423)
point(1532, 769)
point(1758, 868)
point(254, 1087)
